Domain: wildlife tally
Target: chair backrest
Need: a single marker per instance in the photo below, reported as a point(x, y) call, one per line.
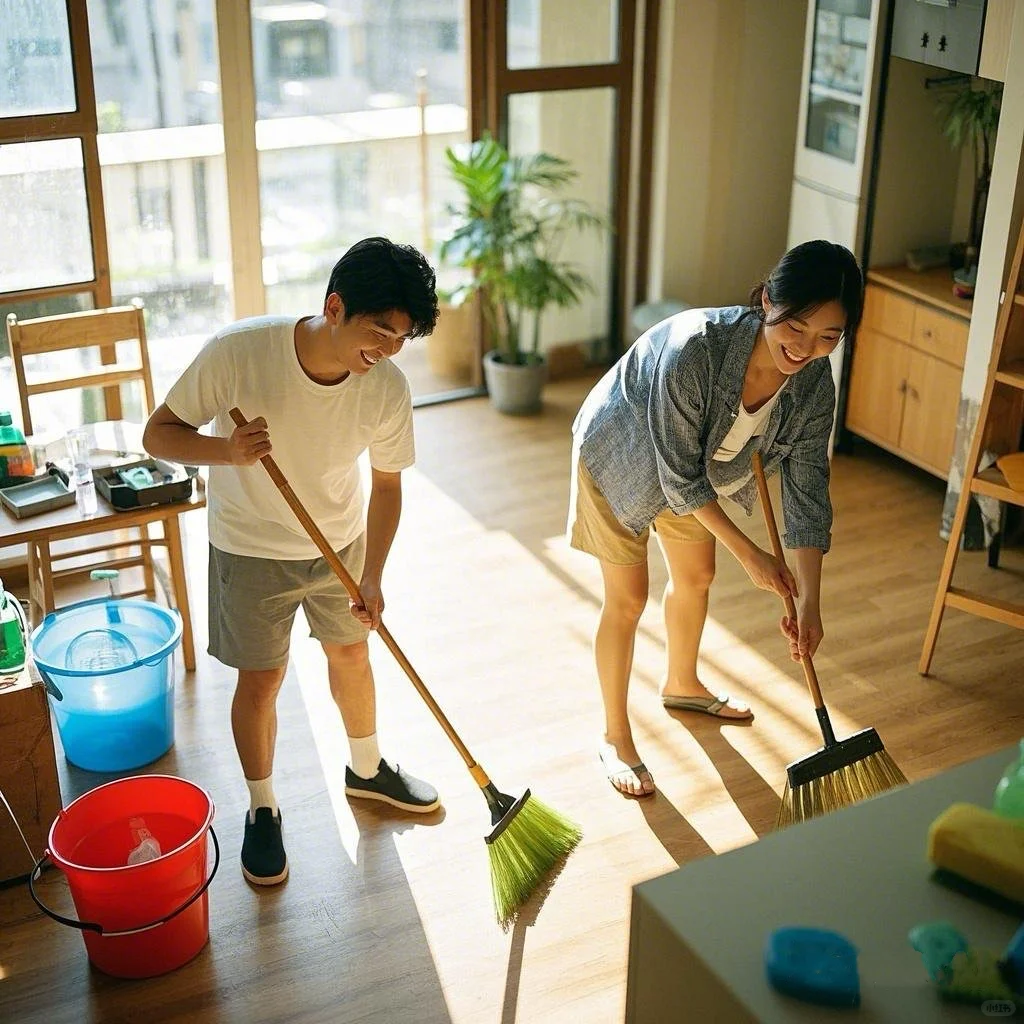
point(99, 329)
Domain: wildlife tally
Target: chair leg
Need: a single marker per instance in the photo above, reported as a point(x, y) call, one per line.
point(35, 602)
point(46, 578)
point(179, 578)
point(146, 551)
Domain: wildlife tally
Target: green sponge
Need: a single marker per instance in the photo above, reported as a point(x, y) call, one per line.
point(973, 977)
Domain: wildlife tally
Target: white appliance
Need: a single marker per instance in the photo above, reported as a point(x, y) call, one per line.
point(838, 110)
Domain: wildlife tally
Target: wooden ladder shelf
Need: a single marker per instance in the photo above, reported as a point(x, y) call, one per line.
point(998, 430)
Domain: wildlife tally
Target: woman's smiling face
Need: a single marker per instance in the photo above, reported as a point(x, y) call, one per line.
point(800, 339)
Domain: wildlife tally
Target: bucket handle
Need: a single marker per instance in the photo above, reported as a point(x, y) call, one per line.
point(87, 926)
point(51, 687)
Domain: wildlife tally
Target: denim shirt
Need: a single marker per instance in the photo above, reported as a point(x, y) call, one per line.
point(649, 429)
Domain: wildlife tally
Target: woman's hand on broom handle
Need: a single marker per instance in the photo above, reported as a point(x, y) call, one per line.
point(773, 532)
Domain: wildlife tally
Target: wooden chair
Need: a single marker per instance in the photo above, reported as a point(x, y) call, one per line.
point(118, 336)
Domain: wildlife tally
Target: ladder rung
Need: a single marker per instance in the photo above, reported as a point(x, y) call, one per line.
point(1012, 374)
point(993, 484)
point(1006, 612)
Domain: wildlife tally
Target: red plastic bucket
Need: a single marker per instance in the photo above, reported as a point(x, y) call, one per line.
point(144, 919)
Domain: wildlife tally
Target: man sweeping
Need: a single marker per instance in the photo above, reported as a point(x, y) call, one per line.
point(324, 389)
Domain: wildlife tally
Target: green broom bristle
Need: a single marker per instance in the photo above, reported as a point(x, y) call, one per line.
point(849, 785)
point(529, 846)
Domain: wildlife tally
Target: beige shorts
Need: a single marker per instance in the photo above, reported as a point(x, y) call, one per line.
point(593, 528)
point(253, 603)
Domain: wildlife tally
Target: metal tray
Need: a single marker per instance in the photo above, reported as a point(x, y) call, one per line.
point(40, 495)
point(171, 483)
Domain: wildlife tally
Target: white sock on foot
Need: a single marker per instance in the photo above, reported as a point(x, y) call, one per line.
point(365, 755)
point(261, 794)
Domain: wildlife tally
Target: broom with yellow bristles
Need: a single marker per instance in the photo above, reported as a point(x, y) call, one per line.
point(842, 772)
point(527, 838)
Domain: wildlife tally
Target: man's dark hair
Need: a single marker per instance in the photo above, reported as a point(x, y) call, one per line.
point(377, 276)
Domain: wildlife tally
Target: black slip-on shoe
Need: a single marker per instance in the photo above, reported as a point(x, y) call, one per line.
point(395, 787)
point(263, 857)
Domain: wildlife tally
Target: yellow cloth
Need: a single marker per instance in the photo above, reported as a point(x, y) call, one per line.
point(980, 846)
point(1012, 467)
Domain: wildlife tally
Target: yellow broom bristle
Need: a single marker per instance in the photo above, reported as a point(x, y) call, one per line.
point(530, 846)
point(865, 778)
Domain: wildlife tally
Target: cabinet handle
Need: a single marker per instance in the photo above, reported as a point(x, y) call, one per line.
point(926, 333)
point(913, 392)
point(903, 387)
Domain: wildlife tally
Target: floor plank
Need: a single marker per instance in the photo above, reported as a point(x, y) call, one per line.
point(388, 918)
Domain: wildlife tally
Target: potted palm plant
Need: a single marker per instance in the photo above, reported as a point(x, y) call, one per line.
point(970, 115)
point(510, 224)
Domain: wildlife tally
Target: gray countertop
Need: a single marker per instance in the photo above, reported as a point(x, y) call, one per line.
point(863, 872)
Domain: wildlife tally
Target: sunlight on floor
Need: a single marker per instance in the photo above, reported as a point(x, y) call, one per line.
point(325, 722)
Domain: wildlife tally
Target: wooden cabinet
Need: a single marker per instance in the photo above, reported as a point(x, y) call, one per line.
point(908, 360)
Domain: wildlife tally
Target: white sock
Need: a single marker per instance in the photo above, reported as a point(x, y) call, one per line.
point(261, 794)
point(365, 755)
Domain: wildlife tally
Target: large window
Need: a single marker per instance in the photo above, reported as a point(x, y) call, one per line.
point(355, 105)
point(53, 258)
point(161, 148)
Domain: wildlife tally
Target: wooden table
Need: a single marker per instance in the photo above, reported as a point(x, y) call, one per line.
point(68, 523)
point(697, 935)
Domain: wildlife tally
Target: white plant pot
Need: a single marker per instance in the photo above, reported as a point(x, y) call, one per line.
point(515, 390)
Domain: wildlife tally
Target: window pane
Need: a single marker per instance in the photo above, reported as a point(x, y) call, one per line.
point(576, 125)
point(553, 33)
point(154, 64)
point(44, 219)
point(346, 55)
point(35, 58)
point(161, 149)
point(341, 143)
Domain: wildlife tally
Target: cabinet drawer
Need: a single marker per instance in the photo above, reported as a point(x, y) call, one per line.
point(888, 312)
point(939, 335)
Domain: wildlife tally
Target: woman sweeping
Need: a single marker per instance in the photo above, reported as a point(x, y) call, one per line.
point(669, 430)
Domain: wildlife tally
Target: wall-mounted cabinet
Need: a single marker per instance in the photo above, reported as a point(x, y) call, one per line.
point(969, 37)
point(907, 364)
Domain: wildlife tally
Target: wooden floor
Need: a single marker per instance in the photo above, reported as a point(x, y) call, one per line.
point(387, 918)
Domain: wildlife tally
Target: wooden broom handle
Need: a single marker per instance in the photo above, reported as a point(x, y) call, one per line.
point(353, 589)
point(773, 532)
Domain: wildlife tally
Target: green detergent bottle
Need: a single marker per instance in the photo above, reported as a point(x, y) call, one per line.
point(13, 630)
point(1009, 801)
point(16, 466)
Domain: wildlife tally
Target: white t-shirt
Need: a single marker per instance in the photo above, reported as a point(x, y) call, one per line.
point(318, 432)
point(744, 427)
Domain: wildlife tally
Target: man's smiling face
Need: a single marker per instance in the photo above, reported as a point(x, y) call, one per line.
point(367, 338)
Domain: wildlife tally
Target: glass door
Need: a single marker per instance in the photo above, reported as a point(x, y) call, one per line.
point(355, 105)
point(561, 80)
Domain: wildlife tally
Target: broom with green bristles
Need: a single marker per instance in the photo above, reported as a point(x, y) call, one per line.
point(842, 772)
point(527, 838)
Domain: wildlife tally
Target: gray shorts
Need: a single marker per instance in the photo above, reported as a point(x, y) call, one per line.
point(253, 603)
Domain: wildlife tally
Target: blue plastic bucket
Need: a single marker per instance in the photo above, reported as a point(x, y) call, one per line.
point(108, 668)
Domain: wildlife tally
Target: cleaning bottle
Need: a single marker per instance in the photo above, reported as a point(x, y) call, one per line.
point(1009, 801)
point(16, 465)
point(13, 630)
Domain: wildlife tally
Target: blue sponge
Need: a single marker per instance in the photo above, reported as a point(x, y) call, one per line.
point(813, 965)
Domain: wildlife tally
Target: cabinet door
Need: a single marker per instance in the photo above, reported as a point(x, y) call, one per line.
point(929, 419)
point(878, 380)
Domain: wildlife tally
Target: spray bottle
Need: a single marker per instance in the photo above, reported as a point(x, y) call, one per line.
point(1009, 800)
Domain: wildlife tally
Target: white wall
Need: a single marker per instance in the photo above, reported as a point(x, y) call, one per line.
point(729, 91)
point(1003, 218)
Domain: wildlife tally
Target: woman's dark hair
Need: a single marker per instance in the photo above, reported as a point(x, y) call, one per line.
point(808, 276)
point(377, 276)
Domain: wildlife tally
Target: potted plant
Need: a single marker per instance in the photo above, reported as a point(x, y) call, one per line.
point(510, 225)
point(970, 114)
